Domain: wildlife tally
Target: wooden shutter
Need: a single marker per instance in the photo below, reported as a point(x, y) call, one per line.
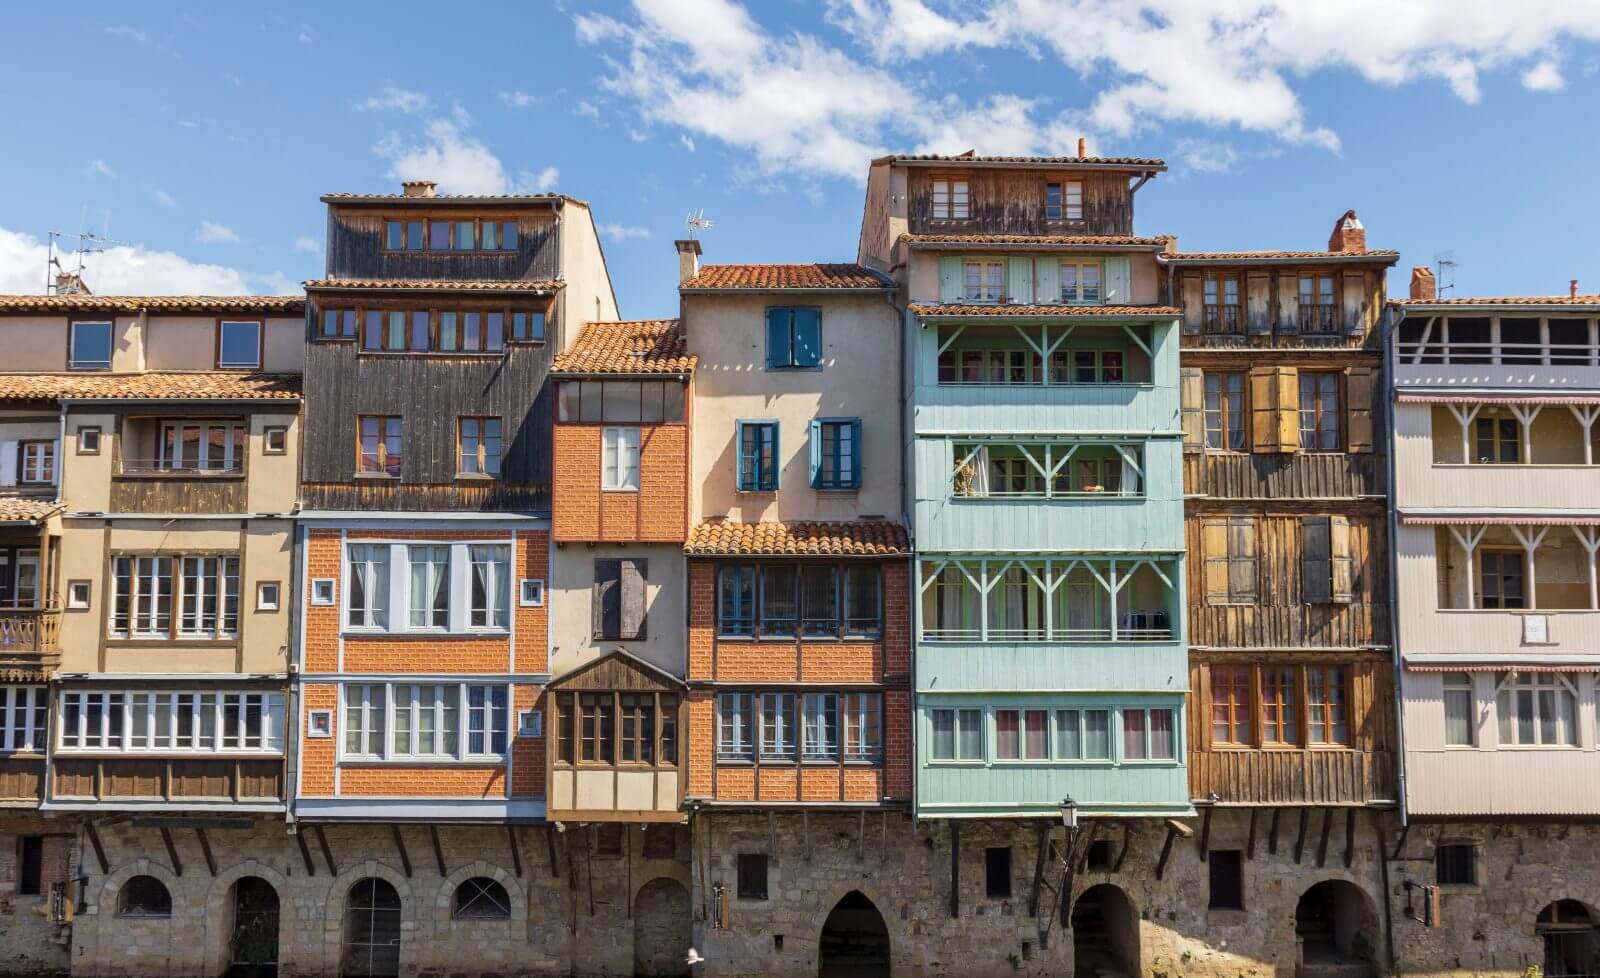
point(606, 610)
point(632, 604)
point(854, 475)
point(779, 352)
point(1019, 281)
point(1342, 566)
point(1192, 388)
point(1316, 572)
point(1355, 303)
point(1118, 290)
point(1047, 281)
point(1287, 382)
point(1214, 545)
point(807, 336)
point(1241, 558)
point(1288, 303)
point(950, 278)
point(816, 454)
point(1358, 408)
point(1194, 303)
point(1264, 410)
point(1258, 303)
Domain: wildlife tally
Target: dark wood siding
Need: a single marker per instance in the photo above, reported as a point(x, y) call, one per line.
point(161, 494)
point(1012, 202)
point(355, 245)
point(21, 778)
point(1235, 475)
point(109, 779)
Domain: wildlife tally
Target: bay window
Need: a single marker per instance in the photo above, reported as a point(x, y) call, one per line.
point(24, 715)
point(1536, 708)
point(454, 587)
point(616, 728)
point(423, 721)
point(799, 601)
point(142, 590)
point(164, 721)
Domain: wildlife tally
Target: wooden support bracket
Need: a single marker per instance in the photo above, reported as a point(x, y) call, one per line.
point(1300, 837)
point(1350, 837)
point(1083, 860)
point(1322, 843)
point(1127, 841)
point(516, 854)
point(1205, 831)
point(400, 847)
point(1042, 851)
point(172, 851)
point(438, 850)
point(1400, 843)
point(1250, 841)
point(305, 852)
point(1166, 850)
point(99, 850)
point(205, 849)
point(1272, 833)
point(550, 847)
point(955, 868)
point(327, 852)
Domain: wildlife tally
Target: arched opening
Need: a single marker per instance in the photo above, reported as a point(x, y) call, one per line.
point(662, 929)
point(1571, 945)
point(1105, 934)
point(371, 931)
point(855, 940)
point(1336, 930)
point(253, 938)
point(481, 898)
point(144, 896)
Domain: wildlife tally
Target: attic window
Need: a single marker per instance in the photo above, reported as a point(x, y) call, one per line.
point(951, 200)
point(1063, 201)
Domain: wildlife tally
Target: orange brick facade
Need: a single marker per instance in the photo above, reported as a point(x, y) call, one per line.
point(821, 664)
point(656, 513)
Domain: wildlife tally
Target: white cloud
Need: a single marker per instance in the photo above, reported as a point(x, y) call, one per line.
point(213, 233)
point(99, 168)
point(1544, 77)
point(394, 98)
point(519, 100)
point(133, 34)
point(542, 182)
point(307, 244)
point(459, 163)
point(165, 199)
point(1206, 155)
point(305, 34)
point(587, 109)
point(622, 232)
point(133, 270)
point(688, 143)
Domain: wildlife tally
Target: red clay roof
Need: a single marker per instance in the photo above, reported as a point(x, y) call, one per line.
point(810, 276)
point(1353, 256)
point(958, 309)
point(289, 304)
point(1504, 300)
point(1104, 240)
point(637, 346)
point(155, 386)
point(1138, 161)
point(541, 286)
point(861, 538)
point(22, 509)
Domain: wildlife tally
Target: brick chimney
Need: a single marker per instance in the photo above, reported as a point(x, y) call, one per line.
point(1572, 288)
point(70, 283)
point(420, 188)
point(688, 259)
point(1422, 284)
point(1348, 234)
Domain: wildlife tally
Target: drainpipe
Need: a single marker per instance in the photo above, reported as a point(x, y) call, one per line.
point(1387, 329)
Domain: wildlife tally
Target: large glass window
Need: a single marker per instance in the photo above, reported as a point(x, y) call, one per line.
point(799, 600)
point(406, 721)
point(156, 721)
point(631, 401)
point(1459, 722)
point(90, 346)
point(24, 713)
point(142, 590)
point(210, 599)
point(490, 585)
point(368, 591)
point(1224, 411)
point(957, 735)
point(380, 446)
point(619, 460)
point(197, 446)
point(1536, 708)
point(239, 345)
point(479, 446)
point(429, 568)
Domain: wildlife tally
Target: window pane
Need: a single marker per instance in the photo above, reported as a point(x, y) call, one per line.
point(971, 734)
point(1007, 736)
point(1036, 743)
point(91, 346)
point(821, 595)
point(944, 735)
point(1133, 735)
point(778, 612)
point(1069, 744)
point(1163, 745)
point(438, 235)
point(1096, 734)
point(239, 345)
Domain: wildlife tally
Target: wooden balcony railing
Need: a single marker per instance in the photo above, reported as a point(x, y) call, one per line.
point(1317, 319)
point(1223, 319)
point(30, 638)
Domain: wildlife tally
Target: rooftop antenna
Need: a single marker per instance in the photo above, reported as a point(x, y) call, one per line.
point(697, 221)
point(57, 279)
point(1443, 262)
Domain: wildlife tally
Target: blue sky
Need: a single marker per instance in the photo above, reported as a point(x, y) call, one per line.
point(207, 132)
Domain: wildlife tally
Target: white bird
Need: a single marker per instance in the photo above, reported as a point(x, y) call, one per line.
point(694, 958)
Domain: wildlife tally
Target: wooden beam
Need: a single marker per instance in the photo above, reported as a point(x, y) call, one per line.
point(1400, 844)
point(1300, 838)
point(438, 850)
point(550, 847)
point(1083, 860)
point(955, 868)
point(1250, 841)
point(1127, 840)
point(516, 854)
point(1350, 837)
point(99, 850)
point(1322, 844)
point(205, 849)
point(172, 851)
point(400, 847)
point(1205, 831)
point(327, 851)
point(1272, 833)
point(305, 852)
point(1043, 839)
point(1166, 850)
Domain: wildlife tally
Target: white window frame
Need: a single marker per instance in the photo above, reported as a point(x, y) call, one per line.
point(956, 756)
point(194, 589)
point(24, 719)
point(530, 592)
point(746, 736)
point(38, 462)
point(1078, 266)
point(144, 583)
point(269, 595)
point(322, 591)
point(170, 455)
point(1535, 682)
point(130, 722)
point(1450, 684)
point(375, 610)
point(496, 716)
point(495, 612)
point(619, 458)
point(397, 593)
point(984, 266)
point(951, 200)
point(435, 573)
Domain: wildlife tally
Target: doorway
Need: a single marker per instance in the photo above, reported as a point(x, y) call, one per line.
point(1335, 930)
point(855, 940)
point(1105, 934)
point(371, 931)
point(1570, 946)
point(253, 940)
point(662, 929)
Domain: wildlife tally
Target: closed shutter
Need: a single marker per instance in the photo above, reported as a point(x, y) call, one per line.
point(1047, 281)
point(950, 278)
point(854, 475)
point(632, 601)
point(779, 351)
point(1214, 544)
point(1288, 381)
point(1019, 285)
point(1242, 559)
point(1119, 281)
point(1192, 388)
point(1342, 565)
point(1316, 572)
point(1288, 304)
point(807, 337)
point(606, 611)
point(1264, 410)
point(1355, 303)
point(816, 454)
point(1194, 303)
point(1358, 403)
point(1258, 303)
point(8, 463)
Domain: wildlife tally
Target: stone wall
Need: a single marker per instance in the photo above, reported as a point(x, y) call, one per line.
point(30, 942)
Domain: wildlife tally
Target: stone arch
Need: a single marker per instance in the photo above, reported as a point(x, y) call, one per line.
point(443, 903)
point(1104, 921)
point(1336, 922)
point(1569, 931)
point(219, 913)
point(854, 939)
point(339, 897)
point(120, 937)
point(182, 901)
point(663, 923)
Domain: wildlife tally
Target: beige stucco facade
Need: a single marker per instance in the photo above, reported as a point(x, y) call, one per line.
point(571, 600)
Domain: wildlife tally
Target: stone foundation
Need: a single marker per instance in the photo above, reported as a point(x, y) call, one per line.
point(30, 942)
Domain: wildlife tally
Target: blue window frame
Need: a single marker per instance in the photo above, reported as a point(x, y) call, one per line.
point(736, 611)
point(836, 453)
point(794, 337)
point(758, 456)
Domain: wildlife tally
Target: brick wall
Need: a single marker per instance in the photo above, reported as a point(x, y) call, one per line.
point(318, 754)
point(656, 513)
point(423, 781)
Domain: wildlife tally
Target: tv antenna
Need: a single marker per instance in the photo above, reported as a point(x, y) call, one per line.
point(697, 221)
point(1444, 262)
point(58, 279)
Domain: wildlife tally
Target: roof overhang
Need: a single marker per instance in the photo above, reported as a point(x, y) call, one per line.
point(1387, 259)
point(1506, 518)
point(922, 244)
point(1131, 167)
point(1535, 664)
point(448, 200)
point(1577, 310)
point(791, 290)
point(431, 288)
point(1454, 397)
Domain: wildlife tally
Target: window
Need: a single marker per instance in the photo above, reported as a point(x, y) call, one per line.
point(24, 711)
point(957, 735)
point(275, 440)
point(210, 600)
point(1230, 705)
point(1147, 735)
point(1319, 412)
point(951, 200)
point(1278, 723)
point(619, 602)
point(1227, 879)
point(142, 594)
point(1063, 201)
point(402, 721)
point(429, 586)
point(194, 446)
point(863, 601)
point(777, 726)
point(369, 586)
point(238, 345)
point(141, 721)
point(794, 337)
point(619, 459)
point(863, 726)
point(446, 330)
point(799, 601)
point(90, 346)
point(37, 462)
point(596, 728)
point(1101, 857)
point(1222, 304)
point(30, 865)
point(1536, 708)
point(322, 589)
point(736, 733)
point(478, 446)
point(380, 446)
point(425, 721)
point(758, 456)
point(88, 441)
point(1080, 283)
point(647, 401)
point(1088, 367)
point(1022, 735)
point(491, 586)
point(1456, 864)
point(752, 872)
point(527, 327)
point(1230, 559)
point(144, 896)
point(1500, 579)
point(1316, 314)
point(531, 594)
point(1224, 409)
point(267, 595)
point(836, 453)
point(983, 281)
point(1325, 706)
point(1007, 738)
point(997, 872)
point(820, 727)
point(622, 728)
point(443, 234)
point(481, 898)
point(341, 323)
point(78, 594)
point(1459, 722)
point(1498, 441)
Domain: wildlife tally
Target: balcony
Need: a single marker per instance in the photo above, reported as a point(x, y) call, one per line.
point(1315, 319)
point(30, 639)
point(1224, 319)
point(1094, 601)
point(1463, 352)
point(1477, 454)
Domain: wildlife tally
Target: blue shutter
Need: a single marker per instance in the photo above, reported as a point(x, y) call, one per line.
point(769, 473)
point(807, 337)
point(854, 477)
point(816, 454)
point(780, 353)
point(738, 455)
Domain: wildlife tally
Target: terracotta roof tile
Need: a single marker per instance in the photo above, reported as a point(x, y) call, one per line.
point(209, 385)
point(862, 538)
point(1180, 257)
point(439, 198)
point(287, 304)
point(23, 509)
point(638, 346)
point(1141, 161)
point(1504, 300)
point(543, 286)
point(811, 276)
point(1102, 240)
point(957, 309)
